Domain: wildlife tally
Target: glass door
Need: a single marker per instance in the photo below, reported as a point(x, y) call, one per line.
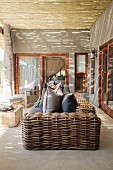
point(110, 78)
point(104, 77)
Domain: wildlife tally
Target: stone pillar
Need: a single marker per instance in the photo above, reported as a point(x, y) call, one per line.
point(8, 60)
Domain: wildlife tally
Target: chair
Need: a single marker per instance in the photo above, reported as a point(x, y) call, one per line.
point(28, 98)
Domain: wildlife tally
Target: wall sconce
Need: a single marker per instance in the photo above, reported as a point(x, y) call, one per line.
point(94, 52)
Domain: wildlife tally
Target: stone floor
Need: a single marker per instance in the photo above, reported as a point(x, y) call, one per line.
point(14, 157)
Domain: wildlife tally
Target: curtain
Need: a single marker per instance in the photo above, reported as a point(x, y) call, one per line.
point(53, 66)
point(29, 70)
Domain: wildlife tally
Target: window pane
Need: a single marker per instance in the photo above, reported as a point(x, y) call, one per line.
point(110, 78)
point(80, 63)
point(104, 81)
point(92, 75)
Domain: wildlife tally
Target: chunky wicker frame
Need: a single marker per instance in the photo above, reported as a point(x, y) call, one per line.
point(61, 131)
point(78, 130)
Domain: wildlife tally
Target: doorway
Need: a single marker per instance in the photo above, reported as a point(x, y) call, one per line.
point(81, 72)
point(54, 69)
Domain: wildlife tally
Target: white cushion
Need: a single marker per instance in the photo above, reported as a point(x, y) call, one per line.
point(30, 85)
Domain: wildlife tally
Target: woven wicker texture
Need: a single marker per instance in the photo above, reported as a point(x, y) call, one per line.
point(84, 105)
point(61, 131)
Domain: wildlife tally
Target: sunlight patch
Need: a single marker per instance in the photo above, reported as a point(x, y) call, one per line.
point(12, 158)
point(8, 147)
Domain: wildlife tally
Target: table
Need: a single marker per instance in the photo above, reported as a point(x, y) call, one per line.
point(11, 118)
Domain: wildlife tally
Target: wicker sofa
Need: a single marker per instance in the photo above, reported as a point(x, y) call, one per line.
point(76, 130)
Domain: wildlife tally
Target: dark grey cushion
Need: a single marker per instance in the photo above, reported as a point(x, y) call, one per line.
point(69, 103)
point(52, 101)
point(35, 109)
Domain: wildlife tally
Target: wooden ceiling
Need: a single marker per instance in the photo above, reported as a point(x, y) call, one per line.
point(51, 14)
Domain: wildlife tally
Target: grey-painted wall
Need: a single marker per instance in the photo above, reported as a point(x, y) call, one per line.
point(100, 33)
point(53, 41)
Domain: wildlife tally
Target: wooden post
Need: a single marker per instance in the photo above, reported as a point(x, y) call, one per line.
point(8, 60)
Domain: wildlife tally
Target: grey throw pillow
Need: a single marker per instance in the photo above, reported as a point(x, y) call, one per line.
point(52, 101)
